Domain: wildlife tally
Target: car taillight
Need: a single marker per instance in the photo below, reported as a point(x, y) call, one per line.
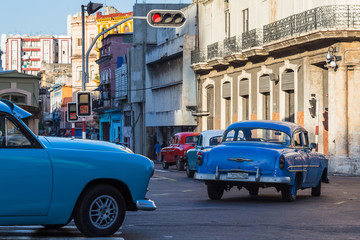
point(282, 162)
point(199, 158)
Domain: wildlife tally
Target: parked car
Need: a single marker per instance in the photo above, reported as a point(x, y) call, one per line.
point(51, 180)
point(256, 154)
point(207, 139)
point(179, 144)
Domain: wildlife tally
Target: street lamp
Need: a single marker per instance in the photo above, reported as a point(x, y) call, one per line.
point(90, 9)
point(331, 58)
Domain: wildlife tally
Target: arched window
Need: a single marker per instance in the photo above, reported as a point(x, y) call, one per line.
point(244, 95)
point(210, 106)
point(264, 90)
point(15, 98)
point(227, 97)
point(287, 85)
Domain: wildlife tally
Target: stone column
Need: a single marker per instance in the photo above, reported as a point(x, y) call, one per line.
point(338, 123)
point(354, 116)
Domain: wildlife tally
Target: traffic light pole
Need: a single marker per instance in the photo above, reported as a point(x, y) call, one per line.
point(317, 125)
point(86, 73)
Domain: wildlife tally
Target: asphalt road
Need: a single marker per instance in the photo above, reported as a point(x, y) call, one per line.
point(185, 212)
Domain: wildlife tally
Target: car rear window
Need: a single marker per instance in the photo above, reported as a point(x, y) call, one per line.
point(257, 135)
point(191, 139)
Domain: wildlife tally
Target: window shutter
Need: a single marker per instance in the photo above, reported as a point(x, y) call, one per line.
point(244, 87)
point(287, 81)
point(226, 90)
point(264, 84)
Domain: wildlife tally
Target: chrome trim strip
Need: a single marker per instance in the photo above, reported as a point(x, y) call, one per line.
point(302, 166)
point(146, 205)
point(252, 178)
point(300, 170)
point(236, 170)
point(239, 159)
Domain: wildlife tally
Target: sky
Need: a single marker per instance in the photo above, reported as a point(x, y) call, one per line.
point(49, 17)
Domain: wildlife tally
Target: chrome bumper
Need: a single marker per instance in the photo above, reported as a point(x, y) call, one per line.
point(146, 205)
point(251, 178)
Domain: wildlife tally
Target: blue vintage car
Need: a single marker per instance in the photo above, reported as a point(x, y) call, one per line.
point(256, 154)
point(207, 139)
point(50, 180)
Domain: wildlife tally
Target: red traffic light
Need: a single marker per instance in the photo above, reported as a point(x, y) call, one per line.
point(156, 18)
point(166, 18)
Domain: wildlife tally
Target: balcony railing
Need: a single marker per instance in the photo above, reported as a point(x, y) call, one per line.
point(321, 18)
point(232, 45)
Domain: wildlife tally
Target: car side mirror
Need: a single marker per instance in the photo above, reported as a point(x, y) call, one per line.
point(312, 146)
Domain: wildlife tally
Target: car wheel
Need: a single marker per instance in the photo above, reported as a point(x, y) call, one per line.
point(189, 172)
point(288, 193)
point(215, 192)
point(164, 164)
point(316, 191)
point(100, 211)
point(179, 164)
point(253, 191)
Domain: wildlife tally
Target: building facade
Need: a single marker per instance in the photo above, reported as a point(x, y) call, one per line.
point(25, 53)
point(112, 107)
point(145, 38)
point(170, 95)
point(23, 90)
point(271, 59)
point(76, 58)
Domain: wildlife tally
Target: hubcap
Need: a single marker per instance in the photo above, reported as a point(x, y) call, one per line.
point(103, 212)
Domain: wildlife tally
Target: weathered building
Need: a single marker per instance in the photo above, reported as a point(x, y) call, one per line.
point(23, 90)
point(170, 86)
point(76, 58)
point(267, 59)
point(147, 38)
point(25, 53)
point(112, 107)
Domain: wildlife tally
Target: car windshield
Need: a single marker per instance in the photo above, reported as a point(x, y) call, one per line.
point(191, 139)
point(257, 134)
point(215, 140)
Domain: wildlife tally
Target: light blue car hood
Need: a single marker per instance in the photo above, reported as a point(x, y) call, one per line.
point(81, 144)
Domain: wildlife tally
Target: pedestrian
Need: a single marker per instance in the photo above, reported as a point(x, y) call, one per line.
point(157, 150)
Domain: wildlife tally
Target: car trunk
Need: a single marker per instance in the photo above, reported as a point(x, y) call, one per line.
point(247, 156)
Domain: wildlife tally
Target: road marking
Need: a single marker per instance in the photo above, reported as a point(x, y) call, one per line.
point(162, 178)
point(338, 203)
point(158, 170)
point(161, 194)
point(186, 190)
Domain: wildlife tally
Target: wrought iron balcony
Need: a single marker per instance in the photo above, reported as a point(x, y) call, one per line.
point(198, 55)
point(214, 50)
point(252, 38)
point(327, 17)
point(232, 45)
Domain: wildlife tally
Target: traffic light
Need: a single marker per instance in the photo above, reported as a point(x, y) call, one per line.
point(312, 107)
point(71, 112)
point(166, 18)
point(93, 7)
point(84, 105)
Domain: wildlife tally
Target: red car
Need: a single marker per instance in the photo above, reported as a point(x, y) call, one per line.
point(175, 153)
